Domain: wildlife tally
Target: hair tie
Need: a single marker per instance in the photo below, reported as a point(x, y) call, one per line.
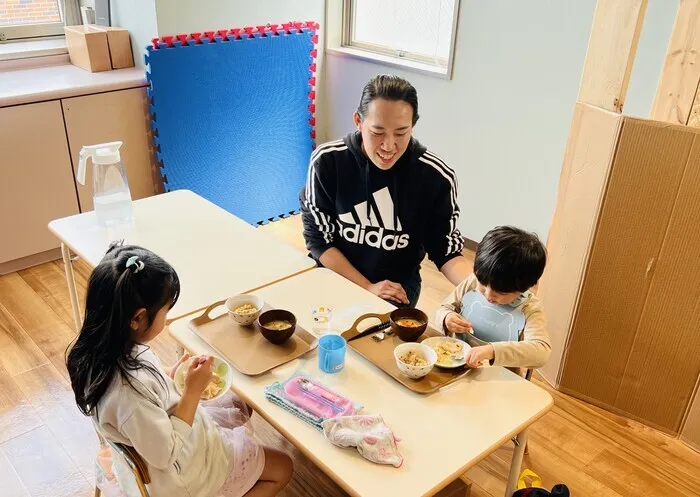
point(134, 260)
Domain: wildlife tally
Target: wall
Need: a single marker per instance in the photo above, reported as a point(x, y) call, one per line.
point(184, 16)
point(503, 120)
point(139, 17)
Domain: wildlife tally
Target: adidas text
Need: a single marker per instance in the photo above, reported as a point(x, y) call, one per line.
point(372, 236)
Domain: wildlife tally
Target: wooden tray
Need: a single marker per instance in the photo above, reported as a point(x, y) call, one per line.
point(244, 347)
point(381, 354)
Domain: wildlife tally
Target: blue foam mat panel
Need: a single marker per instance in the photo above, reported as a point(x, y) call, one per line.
point(232, 119)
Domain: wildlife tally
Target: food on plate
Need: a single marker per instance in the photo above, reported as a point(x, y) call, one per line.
point(413, 358)
point(215, 386)
point(246, 309)
point(278, 325)
point(449, 350)
point(409, 323)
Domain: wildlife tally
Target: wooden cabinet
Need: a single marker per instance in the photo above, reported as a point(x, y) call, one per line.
point(691, 429)
point(39, 151)
point(36, 178)
point(107, 117)
point(622, 283)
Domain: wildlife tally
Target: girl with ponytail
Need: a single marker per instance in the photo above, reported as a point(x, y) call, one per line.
point(191, 449)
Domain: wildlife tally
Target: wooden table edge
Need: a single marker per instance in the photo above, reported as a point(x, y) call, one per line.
point(193, 311)
point(67, 244)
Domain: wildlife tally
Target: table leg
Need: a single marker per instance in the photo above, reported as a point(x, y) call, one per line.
point(70, 280)
point(516, 463)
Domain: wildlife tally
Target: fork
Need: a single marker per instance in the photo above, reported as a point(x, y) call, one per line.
point(378, 337)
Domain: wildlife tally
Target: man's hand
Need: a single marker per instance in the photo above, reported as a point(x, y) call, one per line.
point(389, 290)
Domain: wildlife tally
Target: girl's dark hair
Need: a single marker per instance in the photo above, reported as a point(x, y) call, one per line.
point(388, 87)
point(105, 344)
point(509, 260)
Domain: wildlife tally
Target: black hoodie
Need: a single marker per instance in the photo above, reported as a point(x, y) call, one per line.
point(382, 221)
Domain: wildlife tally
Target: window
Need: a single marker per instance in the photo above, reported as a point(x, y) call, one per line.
point(30, 18)
point(419, 31)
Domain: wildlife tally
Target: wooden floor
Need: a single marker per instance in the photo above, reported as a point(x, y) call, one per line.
point(47, 448)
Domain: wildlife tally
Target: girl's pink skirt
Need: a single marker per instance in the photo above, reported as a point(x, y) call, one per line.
point(232, 416)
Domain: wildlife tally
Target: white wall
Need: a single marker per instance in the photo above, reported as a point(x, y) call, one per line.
point(185, 16)
point(503, 120)
point(139, 17)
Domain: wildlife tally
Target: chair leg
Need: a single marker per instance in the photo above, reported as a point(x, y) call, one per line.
point(527, 448)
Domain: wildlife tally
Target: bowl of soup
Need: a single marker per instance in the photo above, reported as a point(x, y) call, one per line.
point(408, 323)
point(277, 325)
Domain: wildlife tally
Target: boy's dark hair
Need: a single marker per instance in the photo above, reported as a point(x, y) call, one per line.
point(388, 87)
point(509, 260)
point(105, 344)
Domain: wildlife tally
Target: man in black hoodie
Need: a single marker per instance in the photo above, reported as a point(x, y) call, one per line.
point(376, 201)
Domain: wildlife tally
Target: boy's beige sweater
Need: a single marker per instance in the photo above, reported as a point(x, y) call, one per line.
point(532, 351)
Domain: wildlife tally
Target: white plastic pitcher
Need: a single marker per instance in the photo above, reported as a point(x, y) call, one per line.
point(110, 189)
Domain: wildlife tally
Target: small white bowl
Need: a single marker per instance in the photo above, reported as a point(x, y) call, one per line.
point(179, 376)
point(239, 300)
point(415, 372)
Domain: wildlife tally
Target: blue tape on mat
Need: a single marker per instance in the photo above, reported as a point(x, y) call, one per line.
point(232, 120)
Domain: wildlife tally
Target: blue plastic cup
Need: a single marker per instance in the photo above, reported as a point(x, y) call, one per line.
point(331, 353)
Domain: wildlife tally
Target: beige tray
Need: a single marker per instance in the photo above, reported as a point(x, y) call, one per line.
point(381, 354)
point(244, 347)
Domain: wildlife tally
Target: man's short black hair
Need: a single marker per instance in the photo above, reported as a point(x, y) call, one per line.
point(509, 260)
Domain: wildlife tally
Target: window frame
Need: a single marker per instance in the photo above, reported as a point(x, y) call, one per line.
point(396, 58)
point(36, 30)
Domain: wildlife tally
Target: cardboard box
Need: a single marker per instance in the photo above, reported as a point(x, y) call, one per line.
point(88, 48)
point(119, 47)
point(622, 286)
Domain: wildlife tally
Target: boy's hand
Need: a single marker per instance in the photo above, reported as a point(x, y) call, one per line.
point(171, 371)
point(455, 323)
point(199, 375)
point(478, 354)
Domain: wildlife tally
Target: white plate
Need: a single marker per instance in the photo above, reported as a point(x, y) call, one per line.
point(179, 376)
point(433, 342)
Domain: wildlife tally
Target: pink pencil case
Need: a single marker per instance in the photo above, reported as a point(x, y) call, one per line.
point(316, 398)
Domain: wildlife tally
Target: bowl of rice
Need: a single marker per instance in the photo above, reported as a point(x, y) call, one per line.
point(244, 309)
point(415, 360)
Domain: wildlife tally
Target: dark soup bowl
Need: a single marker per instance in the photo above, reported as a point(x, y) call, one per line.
point(277, 325)
point(408, 323)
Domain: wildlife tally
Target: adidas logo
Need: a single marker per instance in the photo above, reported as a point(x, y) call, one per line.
point(378, 229)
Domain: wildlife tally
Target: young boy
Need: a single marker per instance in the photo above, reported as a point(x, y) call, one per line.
point(495, 305)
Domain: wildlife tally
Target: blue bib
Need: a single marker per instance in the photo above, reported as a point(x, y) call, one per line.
point(493, 322)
